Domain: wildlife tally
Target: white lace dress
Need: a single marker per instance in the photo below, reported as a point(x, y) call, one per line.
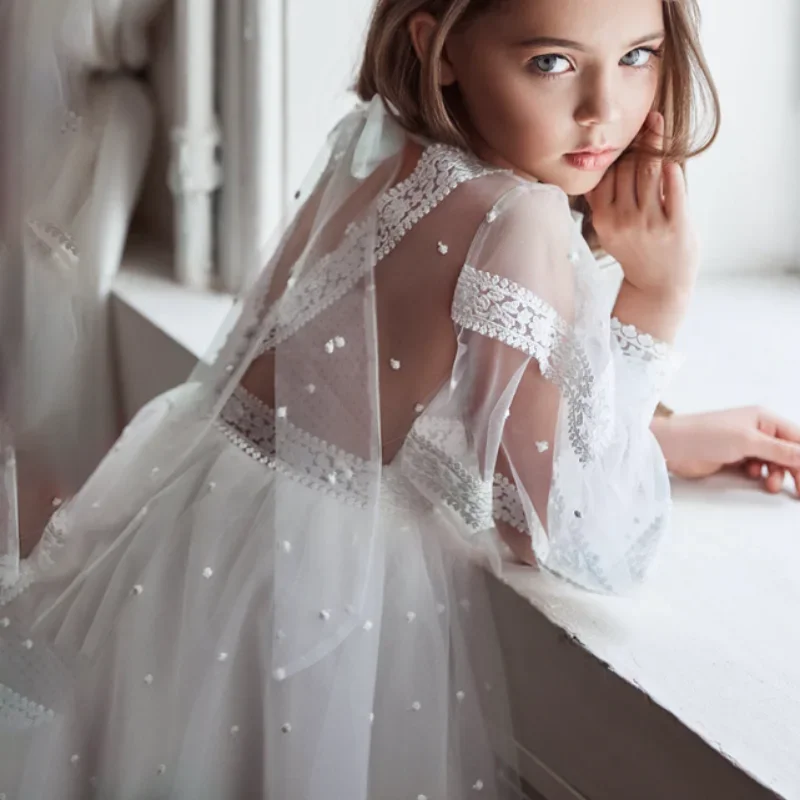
point(186, 629)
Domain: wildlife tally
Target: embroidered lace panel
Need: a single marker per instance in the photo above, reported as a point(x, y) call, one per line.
point(508, 312)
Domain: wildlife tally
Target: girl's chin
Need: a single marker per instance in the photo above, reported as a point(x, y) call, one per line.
point(575, 183)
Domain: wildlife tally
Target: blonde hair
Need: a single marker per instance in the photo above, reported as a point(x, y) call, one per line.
point(391, 69)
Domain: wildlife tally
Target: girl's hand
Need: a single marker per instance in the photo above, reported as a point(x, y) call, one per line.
point(639, 210)
point(699, 445)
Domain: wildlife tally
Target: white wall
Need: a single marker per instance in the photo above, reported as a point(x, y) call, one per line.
point(744, 190)
point(325, 40)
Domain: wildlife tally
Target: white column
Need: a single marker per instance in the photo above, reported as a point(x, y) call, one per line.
point(195, 173)
point(253, 117)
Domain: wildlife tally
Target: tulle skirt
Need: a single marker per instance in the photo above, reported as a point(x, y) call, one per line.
point(166, 641)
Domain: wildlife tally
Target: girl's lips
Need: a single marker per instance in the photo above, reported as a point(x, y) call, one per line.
point(591, 161)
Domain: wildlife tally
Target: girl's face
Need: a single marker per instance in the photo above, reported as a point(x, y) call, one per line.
point(531, 101)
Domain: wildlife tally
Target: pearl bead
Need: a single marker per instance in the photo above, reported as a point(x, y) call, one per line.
point(290, 283)
point(95, 505)
point(208, 572)
point(419, 408)
point(282, 412)
point(441, 608)
point(325, 615)
point(411, 616)
point(212, 486)
point(460, 696)
point(574, 257)
point(368, 625)
point(286, 728)
point(57, 501)
point(491, 216)
point(339, 341)
point(286, 546)
point(137, 589)
point(74, 759)
point(311, 388)
point(155, 471)
point(229, 368)
point(394, 364)
point(542, 447)
point(162, 768)
point(416, 705)
point(234, 730)
point(222, 657)
point(280, 635)
point(372, 718)
point(422, 797)
point(508, 414)
point(477, 786)
point(148, 679)
point(5, 622)
point(329, 347)
point(332, 478)
point(279, 674)
point(443, 248)
point(28, 644)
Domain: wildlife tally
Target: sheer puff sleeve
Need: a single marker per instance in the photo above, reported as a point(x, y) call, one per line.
point(557, 397)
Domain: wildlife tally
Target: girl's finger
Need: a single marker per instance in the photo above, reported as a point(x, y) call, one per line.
point(773, 450)
point(648, 181)
point(777, 426)
point(796, 478)
point(775, 479)
point(625, 185)
point(754, 469)
point(674, 192)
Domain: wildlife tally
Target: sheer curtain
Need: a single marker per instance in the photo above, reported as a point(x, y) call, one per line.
point(75, 145)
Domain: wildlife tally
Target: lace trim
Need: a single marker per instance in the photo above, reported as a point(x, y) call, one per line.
point(635, 344)
point(504, 310)
point(508, 504)
point(40, 560)
point(478, 502)
point(440, 170)
point(51, 241)
point(252, 426)
point(469, 496)
point(18, 711)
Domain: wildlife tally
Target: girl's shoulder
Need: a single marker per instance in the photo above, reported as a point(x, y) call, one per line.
point(457, 183)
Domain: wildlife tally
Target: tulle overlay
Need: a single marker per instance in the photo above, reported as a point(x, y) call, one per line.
point(275, 584)
point(173, 636)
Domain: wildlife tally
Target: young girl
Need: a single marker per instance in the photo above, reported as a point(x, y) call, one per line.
point(276, 584)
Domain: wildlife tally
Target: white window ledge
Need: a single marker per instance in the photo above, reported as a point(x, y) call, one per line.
point(691, 688)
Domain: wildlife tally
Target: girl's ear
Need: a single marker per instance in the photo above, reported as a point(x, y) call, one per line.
point(422, 28)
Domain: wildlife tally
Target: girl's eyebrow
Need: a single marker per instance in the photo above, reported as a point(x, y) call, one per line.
point(549, 41)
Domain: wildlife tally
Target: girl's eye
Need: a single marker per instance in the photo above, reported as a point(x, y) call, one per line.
point(544, 66)
point(640, 51)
